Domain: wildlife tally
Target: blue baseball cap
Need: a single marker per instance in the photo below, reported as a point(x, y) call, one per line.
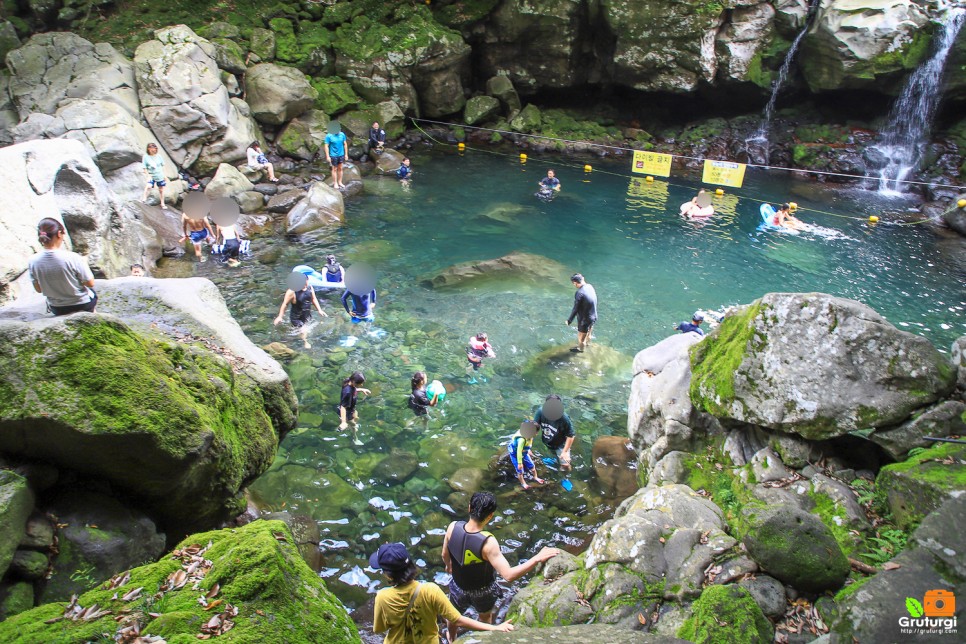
point(390, 556)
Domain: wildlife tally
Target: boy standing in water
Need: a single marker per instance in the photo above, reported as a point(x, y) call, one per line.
point(585, 310)
point(198, 230)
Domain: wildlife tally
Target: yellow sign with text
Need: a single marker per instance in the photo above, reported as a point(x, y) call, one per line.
point(653, 163)
point(724, 173)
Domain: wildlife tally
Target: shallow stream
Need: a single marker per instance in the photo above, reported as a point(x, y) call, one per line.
point(651, 269)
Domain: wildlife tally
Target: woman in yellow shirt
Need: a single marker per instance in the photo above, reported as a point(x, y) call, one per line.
point(409, 608)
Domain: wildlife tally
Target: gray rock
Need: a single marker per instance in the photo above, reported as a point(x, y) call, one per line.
point(672, 468)
point(573, 634)
point(501, 87)
point(466, 479)
point(527, 120)
point(742, 42)
point(16, 504)
point(304, 136)
point(229, 55)
point(250, 201)
point(654, 358)
point(518, 265)
point(742, 443)
point(958, 355)
point(939, 421)
point(267, 189)
point(263, 43)
point(866, 374)
point(676, 505)
point(186, 104)
point(29, 564)
point(557, 567)
point(305, 531)
point(768, 593)
point(387, 161)
point(166, 224)
point(122, 539)
point(227, 182)
point(277, 94)
point(8, 39)
point(796, 548)
point(735, 568)
point(321, 206)
point(615, 466)
point(285, 200)
point(54, 68)
point(38, 533)
point(479, 109)
point(955, 218)
point(767, 466)
point(922, 483)
point(794, 451)
point(219, 29)
point(844, 498)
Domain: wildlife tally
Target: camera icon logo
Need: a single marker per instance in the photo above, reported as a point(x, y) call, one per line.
point(939, 603)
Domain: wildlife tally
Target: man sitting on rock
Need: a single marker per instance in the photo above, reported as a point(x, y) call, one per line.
point(377, 138)
point(473, 556)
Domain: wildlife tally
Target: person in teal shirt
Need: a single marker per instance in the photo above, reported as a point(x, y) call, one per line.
point(520, 448)
point(154, 169)
point(335, 144)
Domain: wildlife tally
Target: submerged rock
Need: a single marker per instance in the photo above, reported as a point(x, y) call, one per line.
point(615, 465)
point(257, 569)
point(817, 366)
point(515, 265)
point(560, 369)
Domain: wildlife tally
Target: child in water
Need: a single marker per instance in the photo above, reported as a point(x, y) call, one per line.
point(521, 452)
point(479, 348)
point(419, 400)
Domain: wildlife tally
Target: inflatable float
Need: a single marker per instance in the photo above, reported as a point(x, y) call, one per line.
point(769, 219)
point(436, 388)
point(316, 279)
point(693, 211)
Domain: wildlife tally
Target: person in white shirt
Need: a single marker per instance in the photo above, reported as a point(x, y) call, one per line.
point(258, 161)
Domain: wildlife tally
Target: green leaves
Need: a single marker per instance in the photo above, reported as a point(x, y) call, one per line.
point(914, 607)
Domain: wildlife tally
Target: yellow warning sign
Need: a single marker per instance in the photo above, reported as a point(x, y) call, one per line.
point(653, 163)
point(724, 173)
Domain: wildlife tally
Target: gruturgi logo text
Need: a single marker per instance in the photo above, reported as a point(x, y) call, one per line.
point(936, 615)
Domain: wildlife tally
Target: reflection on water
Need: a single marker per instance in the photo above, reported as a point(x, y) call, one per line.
point(651, 269)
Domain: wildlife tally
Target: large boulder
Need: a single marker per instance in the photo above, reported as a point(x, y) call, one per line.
point(660, 416)
point(727, 614)
point(479, 109)
point(920, 484)
point(255, 568)
point(795, 547)
point(574, 634)
point(186, 104)
point(59, 179)
point(228, 182)
point(615, 465)
point(515, 265)
point(874, 610)
point(662, 46)
point(179, 424)
point(817, 366)
point(853, 44)
point(321, 206)
point(277, 94)
point(417, 63)
point(304, 136)
point(55, 68)
point(741, 42)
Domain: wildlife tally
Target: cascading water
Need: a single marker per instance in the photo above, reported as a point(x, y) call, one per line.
point(910, 120)
point(757, 143)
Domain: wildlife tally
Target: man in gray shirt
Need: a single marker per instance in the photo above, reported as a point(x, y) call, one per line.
point(585, 310)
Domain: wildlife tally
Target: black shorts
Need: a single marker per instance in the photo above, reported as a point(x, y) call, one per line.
point(337, 161)
point(300, 318)
point(231, 248)
point(583, 326)
point(482, 600)
point(76, 308)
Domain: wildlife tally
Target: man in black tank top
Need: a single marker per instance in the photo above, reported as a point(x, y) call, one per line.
point(473, 557)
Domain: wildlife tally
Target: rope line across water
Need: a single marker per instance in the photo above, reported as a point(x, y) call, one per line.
point(683, 156)
point(752, 194)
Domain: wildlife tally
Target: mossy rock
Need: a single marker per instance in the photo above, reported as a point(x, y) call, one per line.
point(726, 614)
point(259, 571)
point(16, 504)
point(920, 484)
point(527, 121)
point(263, 44)
point(335, 95)
point(170, 423)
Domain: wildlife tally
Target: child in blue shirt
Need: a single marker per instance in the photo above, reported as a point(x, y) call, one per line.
point(404, 171)
point(520, 448)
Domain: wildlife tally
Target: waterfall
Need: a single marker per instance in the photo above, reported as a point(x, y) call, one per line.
point(759, 140)
point(911, 116)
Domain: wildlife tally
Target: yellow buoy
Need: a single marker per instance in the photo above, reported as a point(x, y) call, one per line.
point(587, 168)
point(649, 179)
point(523, 158)
point(719, 192)
point(873, 219)
point(792, 206)
point(961, 203)
point(460, 146)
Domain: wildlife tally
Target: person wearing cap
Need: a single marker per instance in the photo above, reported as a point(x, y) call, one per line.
point(520, 448)
point(585, 310)
point(473, 556)
point(556, 429)
point(408, 610)
point(693, 326)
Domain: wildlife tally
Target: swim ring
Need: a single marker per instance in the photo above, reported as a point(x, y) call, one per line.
point(317, 279)
point(696, 212)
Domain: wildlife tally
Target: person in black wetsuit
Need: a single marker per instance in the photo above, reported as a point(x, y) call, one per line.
point(585, 310)
point(302, 302)
point(351, 387)
point(419, 400)
point(473, 557)
point(377, 138)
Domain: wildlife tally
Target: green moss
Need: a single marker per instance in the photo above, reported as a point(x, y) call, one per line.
point(726, 614)
point(335, 95)
point(704, 131)
point(726, 488)
point(913, 488)
point(278, 596)
point(823, 133)
point(715, 361)
point(928, 467)
point(907, 57)
point(463, 13)
point(410, 29)
point(836, 519)
point(286, 46)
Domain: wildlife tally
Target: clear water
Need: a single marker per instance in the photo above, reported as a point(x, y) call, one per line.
point(651, 269)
